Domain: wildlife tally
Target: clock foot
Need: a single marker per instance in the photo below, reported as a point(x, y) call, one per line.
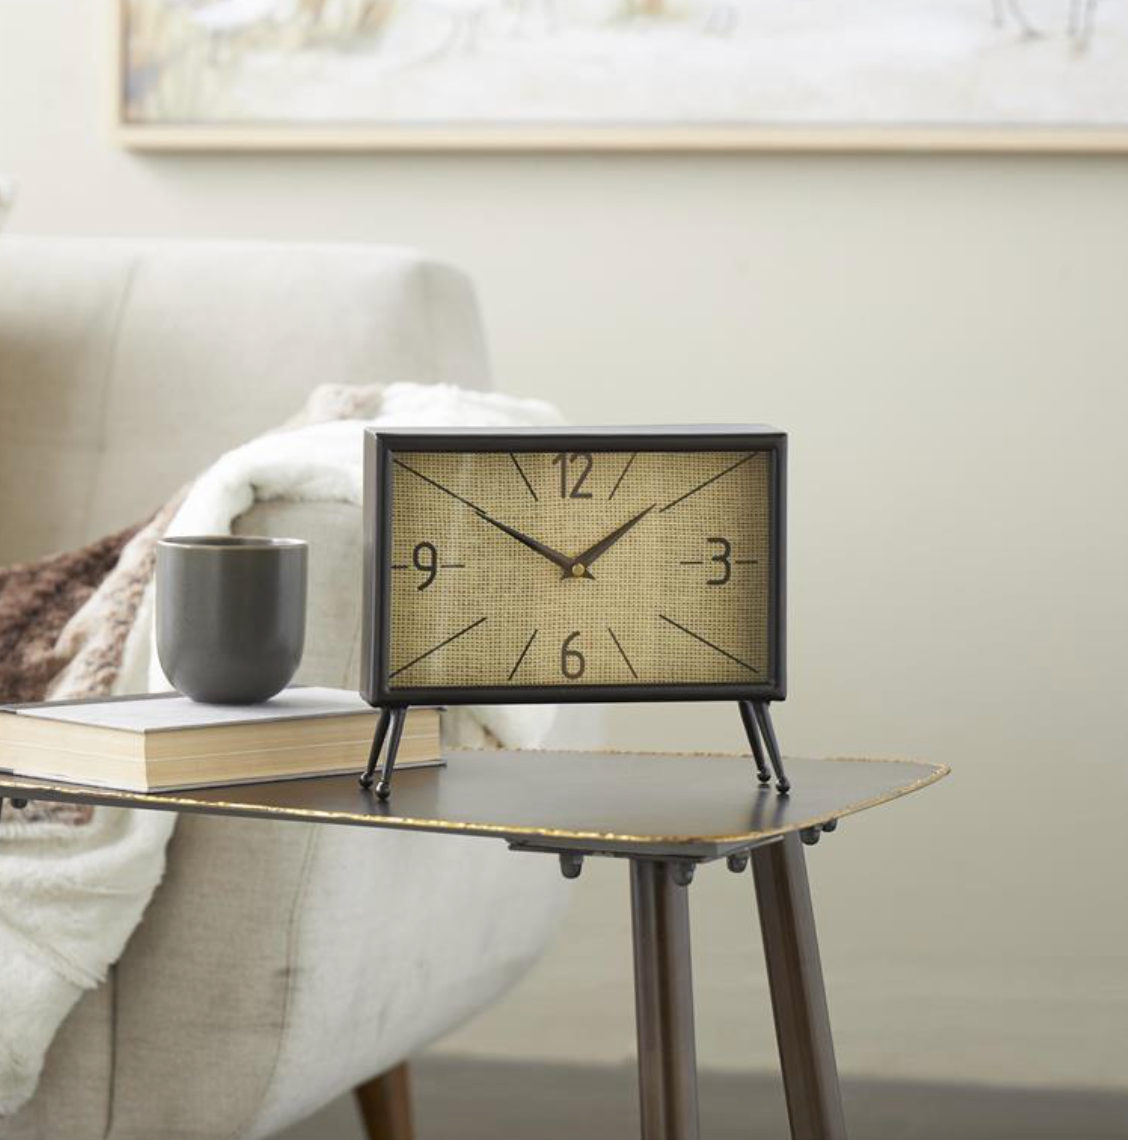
point(374, 753)
point(763, 718)
point(753, 734)
point(390, 726)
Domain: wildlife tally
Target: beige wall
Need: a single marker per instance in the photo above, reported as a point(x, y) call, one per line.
point(946, 339)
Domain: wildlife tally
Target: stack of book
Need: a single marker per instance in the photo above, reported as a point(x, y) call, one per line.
point(165, 742)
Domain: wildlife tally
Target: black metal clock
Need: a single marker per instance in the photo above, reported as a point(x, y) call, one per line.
point(579, 564)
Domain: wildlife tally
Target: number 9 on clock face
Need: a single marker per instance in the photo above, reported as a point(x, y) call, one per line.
point(541, 565)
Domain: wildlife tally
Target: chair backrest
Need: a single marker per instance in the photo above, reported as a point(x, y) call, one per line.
point(128, 366)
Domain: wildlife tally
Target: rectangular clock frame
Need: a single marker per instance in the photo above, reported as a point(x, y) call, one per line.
point(381, 445)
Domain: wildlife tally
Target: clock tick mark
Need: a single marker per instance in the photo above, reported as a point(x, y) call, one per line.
point(437, 485)
point(528, 646)
point(442, 566)
point(436, 648)
point(622, 653)
point(622, 476)
point(712, 479)
point(524, 477)
point(706, 641)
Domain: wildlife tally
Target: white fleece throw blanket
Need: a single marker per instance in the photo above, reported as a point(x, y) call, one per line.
point(71, 897)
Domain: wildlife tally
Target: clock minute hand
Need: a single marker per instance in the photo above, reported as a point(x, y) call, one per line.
point(600, 548)
point(554, 556)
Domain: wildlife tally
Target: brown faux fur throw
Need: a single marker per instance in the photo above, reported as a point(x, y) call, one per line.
point(37, 599)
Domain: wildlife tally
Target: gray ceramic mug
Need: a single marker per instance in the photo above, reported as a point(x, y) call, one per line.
point(231, 615)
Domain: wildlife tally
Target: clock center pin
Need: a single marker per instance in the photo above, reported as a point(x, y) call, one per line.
point(578, 570)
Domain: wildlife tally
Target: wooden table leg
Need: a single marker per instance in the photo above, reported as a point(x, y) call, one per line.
point(806, 1049)
point(667, 1055)
point(385, 1105)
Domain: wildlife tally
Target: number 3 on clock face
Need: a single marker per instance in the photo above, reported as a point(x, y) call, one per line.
point(640, 564)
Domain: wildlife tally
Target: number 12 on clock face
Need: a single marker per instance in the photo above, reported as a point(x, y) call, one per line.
point(625, 564)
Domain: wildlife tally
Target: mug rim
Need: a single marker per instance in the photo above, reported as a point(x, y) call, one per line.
point(230, 542)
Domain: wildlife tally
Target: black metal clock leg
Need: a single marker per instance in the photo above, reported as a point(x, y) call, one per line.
point(753, 734)
point(384, 786)
point(377, 744)
point(764, 721)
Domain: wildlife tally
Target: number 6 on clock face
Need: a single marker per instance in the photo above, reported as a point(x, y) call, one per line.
point(595, 564)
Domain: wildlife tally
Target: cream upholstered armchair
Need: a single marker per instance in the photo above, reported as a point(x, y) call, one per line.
point(279, 964)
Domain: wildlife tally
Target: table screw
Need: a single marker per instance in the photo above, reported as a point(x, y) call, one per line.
point(737, 862)
point(571, 864)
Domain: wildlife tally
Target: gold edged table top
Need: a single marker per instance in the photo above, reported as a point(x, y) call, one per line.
point(686, 805)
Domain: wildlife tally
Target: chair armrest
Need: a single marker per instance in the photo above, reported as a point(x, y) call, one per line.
point(281, 964)
point(334, 531)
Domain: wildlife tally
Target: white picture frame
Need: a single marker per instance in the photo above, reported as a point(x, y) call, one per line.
point(169, 122)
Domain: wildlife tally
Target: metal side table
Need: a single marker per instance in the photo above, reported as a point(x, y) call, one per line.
point(665, 814)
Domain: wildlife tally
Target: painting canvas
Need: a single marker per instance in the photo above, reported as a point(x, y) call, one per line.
point(689, 73)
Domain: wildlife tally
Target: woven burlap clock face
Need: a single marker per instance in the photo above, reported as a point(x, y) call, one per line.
point(579, 568)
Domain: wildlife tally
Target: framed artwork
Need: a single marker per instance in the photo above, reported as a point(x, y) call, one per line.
point(623, 74)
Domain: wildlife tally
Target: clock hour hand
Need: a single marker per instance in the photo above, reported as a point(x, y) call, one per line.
point(600, 548)
point(554, 556)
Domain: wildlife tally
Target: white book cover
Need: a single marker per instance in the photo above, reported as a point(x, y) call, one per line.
point(165, 712)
